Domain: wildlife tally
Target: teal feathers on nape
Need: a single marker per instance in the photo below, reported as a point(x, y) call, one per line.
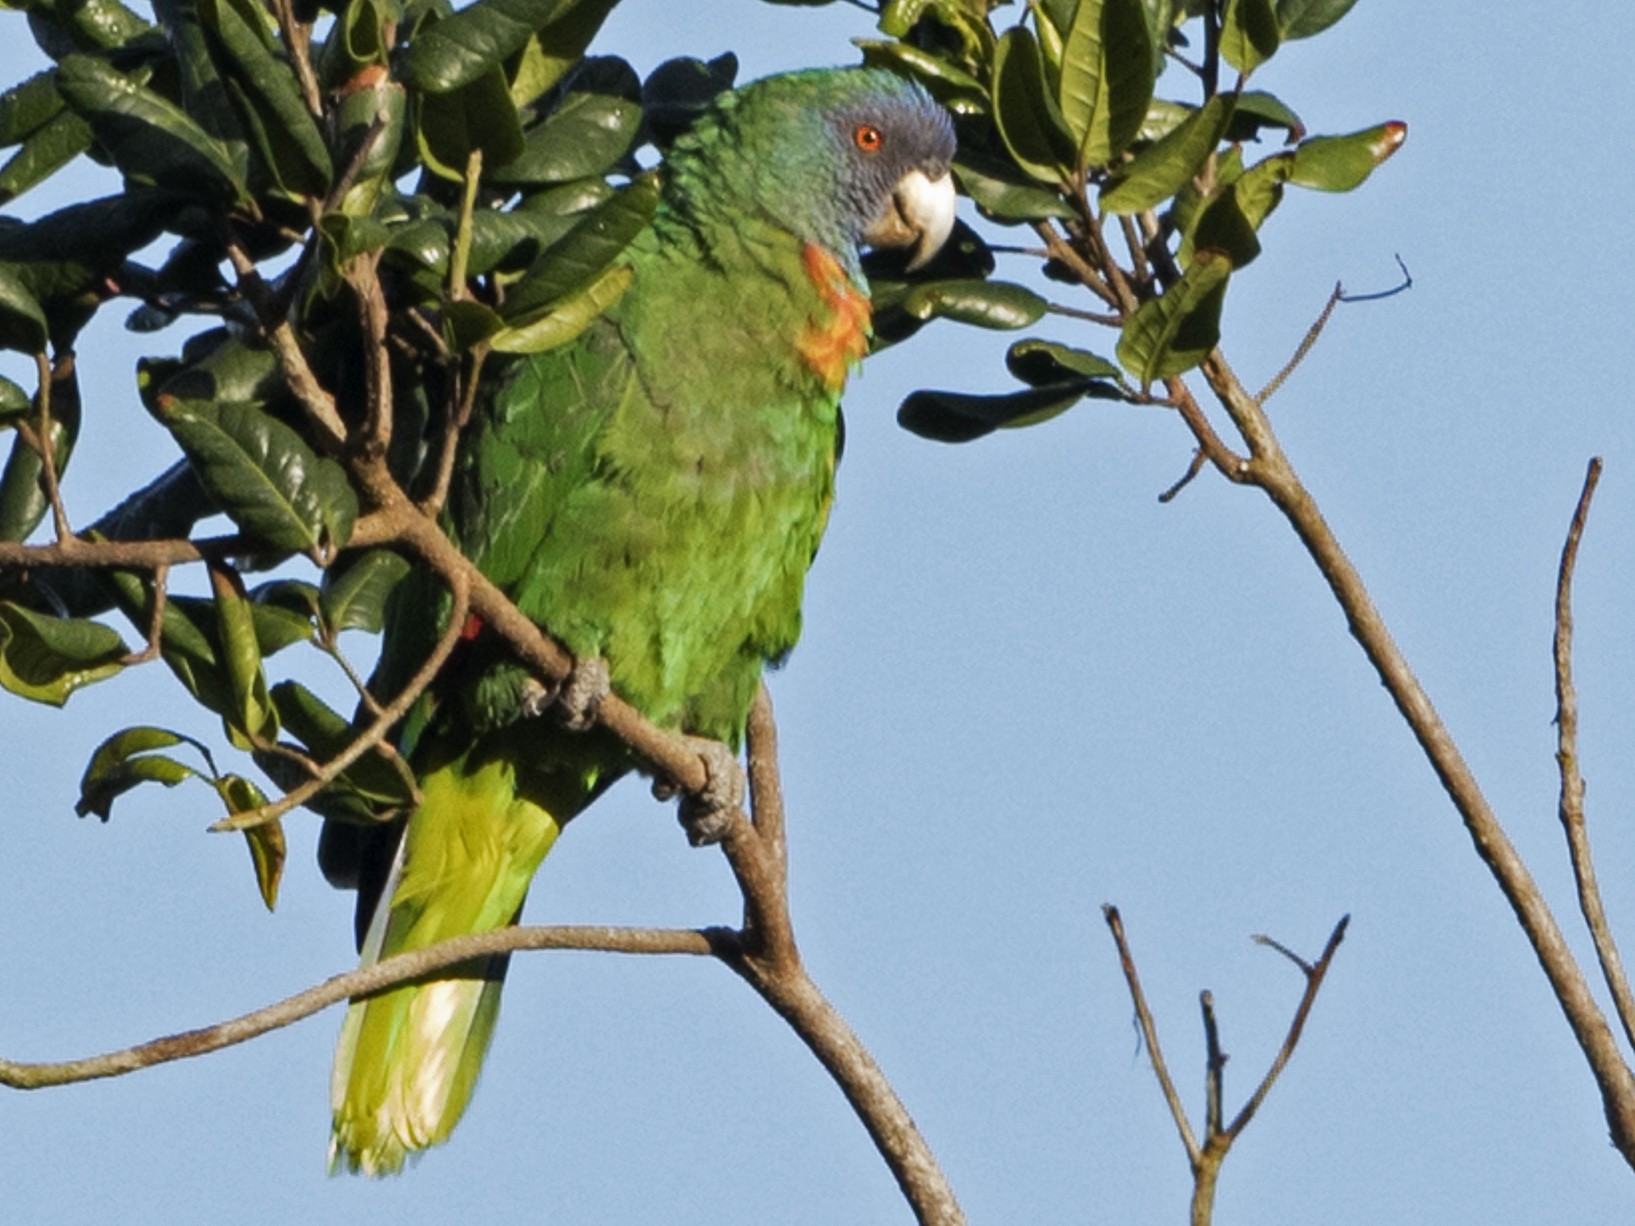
point(653, 494)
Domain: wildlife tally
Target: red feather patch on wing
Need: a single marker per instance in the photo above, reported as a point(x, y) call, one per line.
point(831, 347)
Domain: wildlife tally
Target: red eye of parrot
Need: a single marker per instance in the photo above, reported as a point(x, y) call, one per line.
point(868, 138)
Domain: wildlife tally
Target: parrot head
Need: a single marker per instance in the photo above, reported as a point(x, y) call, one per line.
point(845, 158)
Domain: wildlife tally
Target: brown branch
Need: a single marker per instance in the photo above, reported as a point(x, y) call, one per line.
point(389, 972)
point(156, 619)
point(363, 275)
point(1571, 805)
point(1149, 1034)
point(152, 554)
point(1063, 252)
point(1270, 469)
point(297, 44)
point(1305, 346)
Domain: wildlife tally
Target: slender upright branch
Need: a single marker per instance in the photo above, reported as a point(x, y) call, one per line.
point(1571, 805)
point(1270, 469)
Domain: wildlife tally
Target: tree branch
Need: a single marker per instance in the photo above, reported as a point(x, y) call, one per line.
point(1571, 805)
point(1270, 469)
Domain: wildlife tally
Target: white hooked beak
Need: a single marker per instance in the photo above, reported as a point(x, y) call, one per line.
point(919, 216)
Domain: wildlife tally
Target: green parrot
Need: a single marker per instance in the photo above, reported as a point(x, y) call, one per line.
point(653, 494)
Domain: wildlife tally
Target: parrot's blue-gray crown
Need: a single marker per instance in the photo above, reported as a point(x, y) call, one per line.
point(844, 157)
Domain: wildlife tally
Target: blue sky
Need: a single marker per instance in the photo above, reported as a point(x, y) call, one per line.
point(1026, 689)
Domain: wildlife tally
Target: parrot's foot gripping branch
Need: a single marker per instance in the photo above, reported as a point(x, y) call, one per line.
point(708, 814)
point(577, 700)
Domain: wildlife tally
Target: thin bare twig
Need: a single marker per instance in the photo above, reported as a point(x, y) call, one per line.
point(1305, 346)
point(156, 619)
point(1571, 805)
point(388, 972)
point(1149, 1034)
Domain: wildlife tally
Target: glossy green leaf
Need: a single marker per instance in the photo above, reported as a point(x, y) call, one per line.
point(47, 658)
point(44, 152)
point(582, 255)
point(586, 135)
point(449, 54)
point(101, 24)
point(262, 475)
point(567, 318)
point(1303, 18)
point(126, 759)
point(1341, 163)
point(150, 138)
point(376, 114)
point(1250, 34)
point(284, 612)
point(552, 52)
point(1174, 332)
point(1159, 171)
point(66, 259)
point(476, 116)
point(1040, 363)
point(354, 594)
point(958, 417)
point(269, 103)
point(1107, 77)
point(1026, 113)
point(1004, 196)
point(986, 304)
point(268, 850)
point(27, 106)
point(253, 719)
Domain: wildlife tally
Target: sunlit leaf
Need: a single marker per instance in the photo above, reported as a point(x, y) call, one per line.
point(1175, 331)
point(354, 595)
point(1303, 18)
point(1159, 171)
point(1250, 34)
point(126, 759)
point(1107, 77)
point(47, 658)
point(1341, 163)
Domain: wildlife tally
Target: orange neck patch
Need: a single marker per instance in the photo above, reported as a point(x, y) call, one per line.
point(831, 347)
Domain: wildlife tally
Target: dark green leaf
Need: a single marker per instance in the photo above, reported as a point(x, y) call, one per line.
point(47, 658)
point(354, 594)
point(126, 759)
point(46, 150)
point(1250, 34)
point(284, 612)
point(1303, 18)
point(150, 138)
point(459, 49)
point(956, 417)
point(22, 322)
point(1340, 163)
point(584, 253)
point(1230, 219)
point(679, 90)
point(1043, 363)
point(15, 403)
point(1025, 112)
point(986, 304)
point(1005, 196)
point(1159, 171)
point(475, 116)
point(587, 135)
point(554, 50)
point(269, 103)
point(1107, 77)
point(23, 498)
point(1174, 332)
point(262, 475)
point(26, 107)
